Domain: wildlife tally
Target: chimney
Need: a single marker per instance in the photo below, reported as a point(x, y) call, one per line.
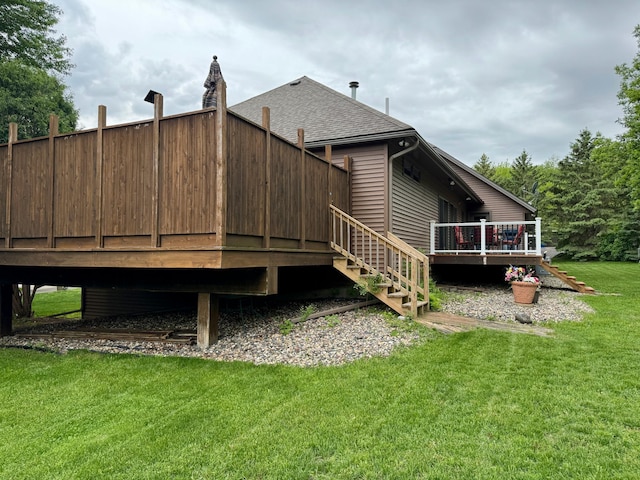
point(353, 86)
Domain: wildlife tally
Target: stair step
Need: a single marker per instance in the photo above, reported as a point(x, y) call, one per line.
point(571, 277)
point(582, 284)
point(354, 267)
point(396, 295)
point(384, 285)
point(421, 303)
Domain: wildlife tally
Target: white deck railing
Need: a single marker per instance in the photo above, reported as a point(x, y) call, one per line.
point(487, 238)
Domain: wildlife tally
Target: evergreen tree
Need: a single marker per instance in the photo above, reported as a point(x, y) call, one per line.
point(523, 177)
point(629, 99)
point(484, 167)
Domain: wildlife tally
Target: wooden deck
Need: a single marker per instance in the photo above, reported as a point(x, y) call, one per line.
point(206, 189)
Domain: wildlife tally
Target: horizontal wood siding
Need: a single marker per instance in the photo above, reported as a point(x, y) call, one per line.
point(4, 157)
point(286, 169)
point(127, 177)
point(414, 205)
point(500, 206)
point(100, 302)
point(246, 177)
point(367, 184)
point(74, 185)
point(31, 187)
point(187, 175)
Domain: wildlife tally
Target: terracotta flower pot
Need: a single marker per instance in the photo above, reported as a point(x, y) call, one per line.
point(524, 292)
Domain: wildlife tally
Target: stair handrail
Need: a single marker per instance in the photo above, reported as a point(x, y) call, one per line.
point(403, 267)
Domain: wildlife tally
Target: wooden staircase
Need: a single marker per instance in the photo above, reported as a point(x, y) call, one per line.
point(567, 279)
point(388, 268)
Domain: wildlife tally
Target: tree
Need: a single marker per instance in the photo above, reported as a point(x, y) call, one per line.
point(32, 61)
point(28, 96)
point(27, 35)
point(484, 167)
point(523, 177)
point(629, 100)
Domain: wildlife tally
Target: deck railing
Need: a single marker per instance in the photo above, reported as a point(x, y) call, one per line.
point(408, 271)
point(487, 238)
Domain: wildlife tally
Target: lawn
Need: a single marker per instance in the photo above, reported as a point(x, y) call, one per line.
point(481, 405)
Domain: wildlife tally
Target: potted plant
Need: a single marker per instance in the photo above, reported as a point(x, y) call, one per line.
point(524, 284)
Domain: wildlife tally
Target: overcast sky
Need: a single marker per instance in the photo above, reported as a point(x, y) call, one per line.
point(471, 76)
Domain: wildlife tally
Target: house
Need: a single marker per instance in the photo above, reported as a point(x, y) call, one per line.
point(242, 201)
point(400, 182)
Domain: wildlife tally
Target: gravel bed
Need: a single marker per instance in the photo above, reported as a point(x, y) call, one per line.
point(496, 303)
point(256, 334)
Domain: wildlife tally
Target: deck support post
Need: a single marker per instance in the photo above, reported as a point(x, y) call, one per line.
point(13, 137)
point(208, 319)
point(6, 312)
point(53, 131)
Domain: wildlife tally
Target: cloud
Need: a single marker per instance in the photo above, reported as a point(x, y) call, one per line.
point(471, 77)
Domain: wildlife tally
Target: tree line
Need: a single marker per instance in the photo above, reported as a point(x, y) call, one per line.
point(589, 201)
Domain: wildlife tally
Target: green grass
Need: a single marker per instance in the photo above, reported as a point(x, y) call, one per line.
point(476, 405)
point(52, 303)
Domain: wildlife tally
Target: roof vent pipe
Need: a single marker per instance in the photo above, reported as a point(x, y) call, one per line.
point(353, 86)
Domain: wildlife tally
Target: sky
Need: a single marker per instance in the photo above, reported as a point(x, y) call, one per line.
point(470, 76)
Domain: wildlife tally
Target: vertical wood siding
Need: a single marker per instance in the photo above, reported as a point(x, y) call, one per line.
point(246, 177)
point(85, 195)
point(74, 185)
point(285, 190)
point(187, 175)
point(316, 203)
point(4, 154)
point(127, 176)
point(31, 189)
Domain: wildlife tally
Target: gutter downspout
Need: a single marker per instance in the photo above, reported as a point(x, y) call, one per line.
point(388, 217)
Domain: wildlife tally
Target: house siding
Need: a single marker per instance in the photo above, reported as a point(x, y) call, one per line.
point(500, 207)
point(368, 184)
point(414, 205)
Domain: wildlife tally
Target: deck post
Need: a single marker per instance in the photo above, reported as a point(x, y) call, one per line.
point(483, 237)
point(13, 137)
point(432, 237)
point(303, 189)
point(155, 176)
point(266, 123)
point(102, 122)
point(538, 236)
point(6, 313)
point(51, 158)
point(208, 318)
point(221, 165)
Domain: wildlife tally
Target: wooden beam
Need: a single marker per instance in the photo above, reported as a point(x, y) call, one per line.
point(221, 165)
point(51, 158)
point(266, 123)
point(102, 123)
point(6, 313)
point(13, 137)
point(155, 180)
point(208, 319)
point(303, 189)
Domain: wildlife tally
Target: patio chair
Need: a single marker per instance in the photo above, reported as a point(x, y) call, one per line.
point(511, 238)
point(461, 242)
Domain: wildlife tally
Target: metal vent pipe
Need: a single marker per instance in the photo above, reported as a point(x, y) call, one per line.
point(354, 86)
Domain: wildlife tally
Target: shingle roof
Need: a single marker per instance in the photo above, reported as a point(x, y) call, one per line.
point(323, 113)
